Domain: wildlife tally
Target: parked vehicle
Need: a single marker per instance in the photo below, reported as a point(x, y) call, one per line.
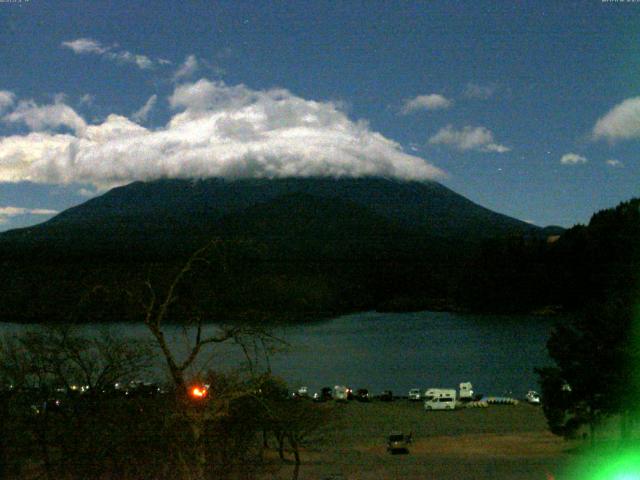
point(415, 394)
point(533, 397)
point(386, 396)
point(324, 395)
point(440, 399)
point(362, 395)
point(341, 393)
point(465, 392)
point(137, 389)
point(398, 442)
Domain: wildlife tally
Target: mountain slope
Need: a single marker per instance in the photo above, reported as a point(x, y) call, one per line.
point(169, 211)
point(309, 247)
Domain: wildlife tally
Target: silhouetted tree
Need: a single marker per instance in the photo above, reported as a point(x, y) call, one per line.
point(59, 412)
point(596, 356)
point(598, 350)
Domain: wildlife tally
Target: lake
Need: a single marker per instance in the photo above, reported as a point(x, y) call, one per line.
point(396, 351)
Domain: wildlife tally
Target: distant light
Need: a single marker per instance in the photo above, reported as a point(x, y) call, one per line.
point(198, 392)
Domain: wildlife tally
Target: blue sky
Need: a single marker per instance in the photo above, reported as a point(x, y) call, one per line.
point(531, 109)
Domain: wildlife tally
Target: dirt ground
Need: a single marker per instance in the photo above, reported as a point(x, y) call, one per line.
point(498, 442)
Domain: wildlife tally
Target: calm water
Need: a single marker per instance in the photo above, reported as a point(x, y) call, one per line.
point(397, 351)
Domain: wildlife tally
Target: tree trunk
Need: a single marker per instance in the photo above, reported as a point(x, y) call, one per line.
point(296, 454)
point(280, 440)
point(200, 461)
point(43, 443)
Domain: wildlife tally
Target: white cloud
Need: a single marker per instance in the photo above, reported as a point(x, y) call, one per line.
point(86, 192)
point(205, 95)
point(217, 130)
point(60, 98)
point(481, 92)
point(45, 117)
point(614, 163)
point(33, 157)
point(433, 101)
point(478, 139)
point(7, 99)
point(188, 68)
point(87, 99)
point(142, 114)
point(572, 159)
point(85, 45)
point(90, 46)
point(622, 122)
point(141, 61)
point(8, 212)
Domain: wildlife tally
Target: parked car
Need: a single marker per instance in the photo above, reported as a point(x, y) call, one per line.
point(324, 395)
point(387, 396)
point(398, 442)
point(138, 389)
point(533, 397)
point(414, 394)
point(362, 395)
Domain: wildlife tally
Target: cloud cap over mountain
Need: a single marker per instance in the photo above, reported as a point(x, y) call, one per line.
point(217, 130)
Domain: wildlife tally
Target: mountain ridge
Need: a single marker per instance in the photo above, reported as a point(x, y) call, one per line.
point(303, 247)
point(415, 205)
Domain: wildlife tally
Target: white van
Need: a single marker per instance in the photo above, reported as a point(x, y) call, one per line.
point(415, 394)
point(533, 397)
point(440, 399)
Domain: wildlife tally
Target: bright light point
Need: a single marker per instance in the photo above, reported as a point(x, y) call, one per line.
point(198, 392)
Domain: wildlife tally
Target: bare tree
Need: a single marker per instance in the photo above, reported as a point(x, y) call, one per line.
point(157, 310)
point(159, 307)
point(91, 441)
point(59, 356)
point(71, 433)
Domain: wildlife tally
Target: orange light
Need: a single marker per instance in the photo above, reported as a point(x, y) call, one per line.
point(198, 392)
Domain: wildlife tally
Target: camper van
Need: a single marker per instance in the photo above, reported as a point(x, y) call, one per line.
point(440, 399)
point(466, 392)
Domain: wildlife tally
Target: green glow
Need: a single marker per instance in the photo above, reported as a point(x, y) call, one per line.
point(622, 464)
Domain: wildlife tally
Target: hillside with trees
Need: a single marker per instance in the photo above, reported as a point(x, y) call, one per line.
point(597, 350)
point(309, 248)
